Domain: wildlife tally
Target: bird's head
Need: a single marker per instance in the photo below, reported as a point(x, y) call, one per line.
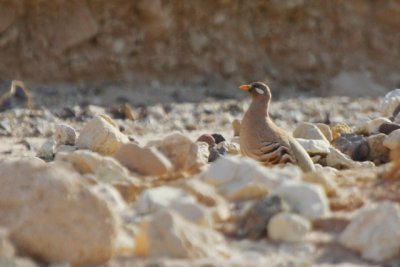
point(257, 90)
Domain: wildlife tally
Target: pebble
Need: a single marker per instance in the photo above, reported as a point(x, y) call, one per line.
point(353, 145)
point(309, 131)
point(288, 227)
point(145, 161)
point(314, 146)
point(206, 138)
point(339, 129)
point(185, 241)
point(65, 134)
point(101, 135)
point(387, 128)
point(378, 152)
point(218, 138)
point(253, 222)
point(339, 160)
point(171, 198)
point(374, 232)
point(307, 199)
point(372, 126)
point(55, 195)
point(326, 130)
point(323, 178)
point(47, 150)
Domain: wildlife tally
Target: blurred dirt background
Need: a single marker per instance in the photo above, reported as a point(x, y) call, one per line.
point(323, 47)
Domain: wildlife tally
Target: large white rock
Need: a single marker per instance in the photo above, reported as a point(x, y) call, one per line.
point(306, 199)
point(169, 235)
point(289, 227)
point(51, 215)
point(374, 232)
point(104, 168)
point(393, 140)
point(145, 161)
point(314, 146)
point(238, 178)
point(308, 131)
point(184, 154)
point(101, 135)
point(166, 197)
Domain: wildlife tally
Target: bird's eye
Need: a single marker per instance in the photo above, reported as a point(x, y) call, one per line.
point(260, 91)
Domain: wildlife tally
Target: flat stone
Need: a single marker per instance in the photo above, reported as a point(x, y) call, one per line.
point(145, 161)
point(105, 169)
point(314, 146)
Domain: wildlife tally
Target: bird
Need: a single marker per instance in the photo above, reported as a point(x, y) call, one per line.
point(261, 139)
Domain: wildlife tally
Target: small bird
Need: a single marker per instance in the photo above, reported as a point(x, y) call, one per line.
point(261, 139)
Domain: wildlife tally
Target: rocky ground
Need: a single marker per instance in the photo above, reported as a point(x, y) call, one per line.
point(114, 184)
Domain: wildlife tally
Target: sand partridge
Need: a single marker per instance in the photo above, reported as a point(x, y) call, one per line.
point(262, 140)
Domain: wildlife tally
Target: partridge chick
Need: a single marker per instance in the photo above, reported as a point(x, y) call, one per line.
point(262, 140)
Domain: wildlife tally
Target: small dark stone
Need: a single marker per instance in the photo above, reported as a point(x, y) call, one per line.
point(214, 155)
point(253, 223)
point(387, 128)
point(207, 138)
point(353, 145)
point(218, 138)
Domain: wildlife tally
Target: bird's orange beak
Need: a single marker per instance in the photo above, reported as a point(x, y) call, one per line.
point(245, 87)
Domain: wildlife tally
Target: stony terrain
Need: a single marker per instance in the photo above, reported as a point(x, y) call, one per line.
point(118, 184)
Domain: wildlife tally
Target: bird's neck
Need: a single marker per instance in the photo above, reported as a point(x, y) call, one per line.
point(260, 107)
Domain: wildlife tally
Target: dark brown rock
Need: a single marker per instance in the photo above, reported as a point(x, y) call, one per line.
point(387, 128)
point(353, 145)
point(207, 138)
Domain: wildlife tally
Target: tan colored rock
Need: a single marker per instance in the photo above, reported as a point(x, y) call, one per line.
point(105, 169)
point(101, 135)
point(65, 134)
point(339, 129)
point(145, 161)
point(288, 227)
point(374, 232)
point(52, 216)
point(309, 131)
point(184, 154)
point(187, 240)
